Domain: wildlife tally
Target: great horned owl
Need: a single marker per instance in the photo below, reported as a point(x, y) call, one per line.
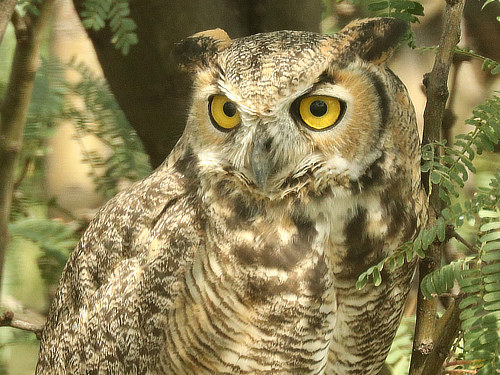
point(298, 169)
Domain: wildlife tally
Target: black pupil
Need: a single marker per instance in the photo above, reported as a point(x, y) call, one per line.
point(229, 109)
point(318, 108)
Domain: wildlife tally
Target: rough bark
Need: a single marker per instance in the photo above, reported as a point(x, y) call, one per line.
point(147, 84)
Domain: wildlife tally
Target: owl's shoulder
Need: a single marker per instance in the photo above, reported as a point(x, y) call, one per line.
point(135, 250)
point(156, 217)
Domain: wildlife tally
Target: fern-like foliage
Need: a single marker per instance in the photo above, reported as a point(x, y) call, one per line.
point(55, 239)
point(402, 9)
point(102, 117)
point(46, 105)
point(488, 64)
point(481, 309)
point(478, 277)
point(124, 163)
point(97, 13)
point(448, 173)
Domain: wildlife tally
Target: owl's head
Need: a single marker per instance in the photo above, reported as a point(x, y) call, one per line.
point(294, 112)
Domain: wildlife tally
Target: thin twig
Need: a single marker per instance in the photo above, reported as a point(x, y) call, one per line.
point(8, 319)
point(26, 166)
point(453, 234)
point(448, 295)
point(463, 362)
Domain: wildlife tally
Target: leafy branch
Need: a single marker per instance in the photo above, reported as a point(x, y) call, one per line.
point(447, 173)
point(102, 117)
point(408, 11)
point(488, 64)
point(478, 277)
point(97, 13)
point(477, 307)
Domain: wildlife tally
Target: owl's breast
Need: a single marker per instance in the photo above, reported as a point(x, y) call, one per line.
point(266, 284)
point(358, 231)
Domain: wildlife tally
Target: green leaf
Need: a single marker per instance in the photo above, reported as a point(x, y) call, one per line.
point(488, 214)
point(441, 229)
point(491, 257)
point(490, 226)
point(467, 314)
point(469, 301)
point(492, 306)
point(463, 171)
point(455, 177)
point(492, 287)
point(362, 281)
point(377, 278)
point(435, 177)
point(492, 297)
point(468, 163)
point(491, 236)
point(375, 7)
point(491, 269)
point(471, 323)
point(491, 246)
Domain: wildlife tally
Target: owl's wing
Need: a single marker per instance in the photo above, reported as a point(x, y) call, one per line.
point(122, 275)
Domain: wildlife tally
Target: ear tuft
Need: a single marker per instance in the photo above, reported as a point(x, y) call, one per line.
point(374, 39)
point(198, 49)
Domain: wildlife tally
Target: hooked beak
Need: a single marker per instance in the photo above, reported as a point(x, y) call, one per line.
point(261, 159)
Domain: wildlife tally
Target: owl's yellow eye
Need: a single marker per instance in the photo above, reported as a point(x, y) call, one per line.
point(320, 112)
point(223, 112)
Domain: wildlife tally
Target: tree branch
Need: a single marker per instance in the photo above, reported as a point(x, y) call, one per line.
point(14, 108)
point(6, 9)
point(446, 331)
point(451, 233)
point(424, 343)
point(9, 319)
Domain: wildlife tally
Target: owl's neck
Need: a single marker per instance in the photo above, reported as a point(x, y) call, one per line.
point(360, 222)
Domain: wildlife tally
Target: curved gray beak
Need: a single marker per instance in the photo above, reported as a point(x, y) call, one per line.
point(261, 159)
